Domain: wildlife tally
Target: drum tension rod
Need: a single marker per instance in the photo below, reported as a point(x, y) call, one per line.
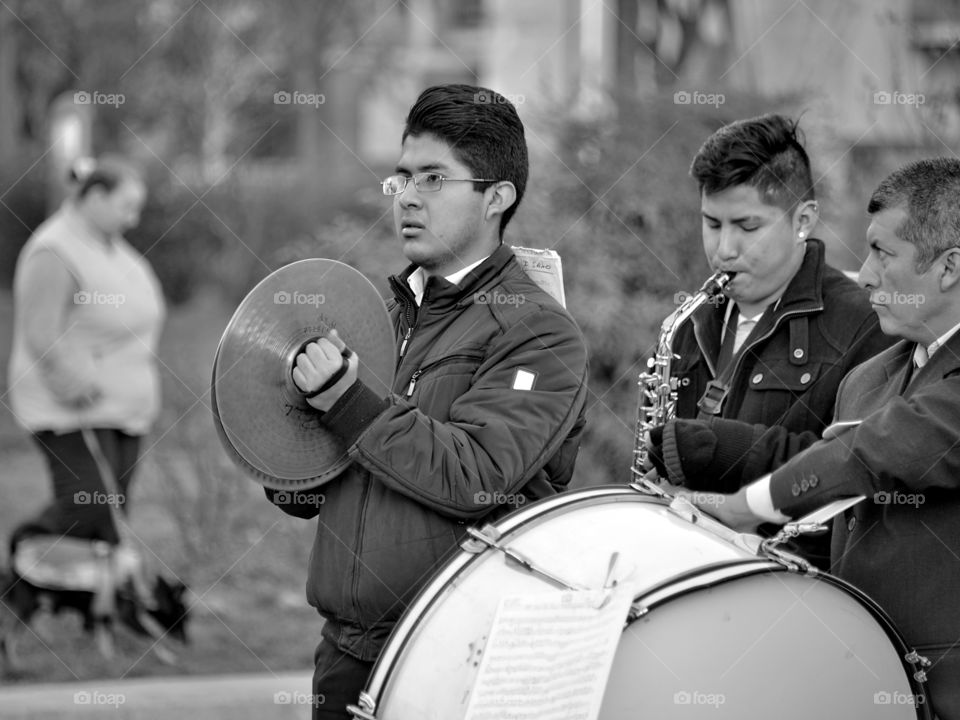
point(915, 659)
point(490, 537)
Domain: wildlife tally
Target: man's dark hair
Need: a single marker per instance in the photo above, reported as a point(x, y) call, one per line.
point(483, 130)
point(765, 152)
point(929, 190)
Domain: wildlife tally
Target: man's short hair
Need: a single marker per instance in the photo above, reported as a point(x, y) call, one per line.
point(483, 130)
point(929, 190)
point(765, 152)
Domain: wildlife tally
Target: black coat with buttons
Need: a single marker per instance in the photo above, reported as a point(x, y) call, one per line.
point(901, 544)
point(786, 374)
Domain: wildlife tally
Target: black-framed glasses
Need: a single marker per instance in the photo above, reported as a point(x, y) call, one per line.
point(424, 182)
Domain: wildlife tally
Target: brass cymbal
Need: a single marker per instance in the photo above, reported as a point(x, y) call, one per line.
point(262, 419)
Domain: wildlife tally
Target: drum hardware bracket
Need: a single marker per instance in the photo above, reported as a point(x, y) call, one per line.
point(684, 509)
point(647, 487)
point(793, 563)
point(490, 537)
point(636, 612)
point(366, 709)
point(915, 658)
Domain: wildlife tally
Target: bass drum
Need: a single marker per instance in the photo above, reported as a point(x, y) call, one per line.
point(714, 630)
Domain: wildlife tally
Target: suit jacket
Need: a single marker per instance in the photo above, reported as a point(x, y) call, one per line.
point(902, 544)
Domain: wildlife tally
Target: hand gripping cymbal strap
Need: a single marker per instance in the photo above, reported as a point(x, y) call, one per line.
point(336, 377)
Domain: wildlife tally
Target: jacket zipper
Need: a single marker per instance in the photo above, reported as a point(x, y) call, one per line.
point(355, 596)
point(442, 361)
point(406, 339)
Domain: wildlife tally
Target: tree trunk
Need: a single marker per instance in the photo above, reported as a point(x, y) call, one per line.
point(11, 112)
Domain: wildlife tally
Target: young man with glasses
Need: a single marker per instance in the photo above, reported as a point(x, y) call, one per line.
point(488, 401)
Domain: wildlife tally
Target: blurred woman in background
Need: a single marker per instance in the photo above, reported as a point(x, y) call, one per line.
point(88, 311)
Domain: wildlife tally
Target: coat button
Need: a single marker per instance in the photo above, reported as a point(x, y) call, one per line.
point(795, 490)
point(814, 481)
point(804, 485)
point(851, 524)
point(798, 353)
point(805, 378)
point(757, 378)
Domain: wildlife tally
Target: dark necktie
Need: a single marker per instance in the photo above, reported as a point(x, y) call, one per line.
point(725, 358)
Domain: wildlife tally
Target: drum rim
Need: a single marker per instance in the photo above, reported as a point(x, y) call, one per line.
point(718, 574)
point(427, 596)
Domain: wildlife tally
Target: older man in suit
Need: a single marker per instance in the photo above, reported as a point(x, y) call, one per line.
point(896, 439)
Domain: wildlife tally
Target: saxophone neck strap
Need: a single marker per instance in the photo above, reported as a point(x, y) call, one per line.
point(711, 402)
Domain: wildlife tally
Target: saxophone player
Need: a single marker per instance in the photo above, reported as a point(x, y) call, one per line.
point(793, 326)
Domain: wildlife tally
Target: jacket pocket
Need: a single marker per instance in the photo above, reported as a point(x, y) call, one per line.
point(435, 385)
point(777, 386)
point(784, 376)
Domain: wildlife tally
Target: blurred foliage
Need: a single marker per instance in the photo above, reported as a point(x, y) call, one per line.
point(22, 209)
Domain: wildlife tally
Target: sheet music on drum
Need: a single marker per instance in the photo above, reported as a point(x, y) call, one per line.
point(549, 655)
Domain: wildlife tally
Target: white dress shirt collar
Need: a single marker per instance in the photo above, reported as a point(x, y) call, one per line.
point(418, 279)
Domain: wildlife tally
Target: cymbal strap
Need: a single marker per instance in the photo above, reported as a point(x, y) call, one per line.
point(336, 377)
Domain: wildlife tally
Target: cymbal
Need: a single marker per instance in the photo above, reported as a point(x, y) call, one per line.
point(261, 416)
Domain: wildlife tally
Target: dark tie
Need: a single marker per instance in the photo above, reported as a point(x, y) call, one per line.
point(725, 358)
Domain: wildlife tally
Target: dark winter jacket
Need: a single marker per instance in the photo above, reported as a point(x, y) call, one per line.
point(486, 414)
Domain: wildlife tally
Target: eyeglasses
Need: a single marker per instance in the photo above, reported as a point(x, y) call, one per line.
point(424, 182)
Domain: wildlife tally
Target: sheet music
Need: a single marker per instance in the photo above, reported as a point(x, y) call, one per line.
point(544, 268)
point(549, 655)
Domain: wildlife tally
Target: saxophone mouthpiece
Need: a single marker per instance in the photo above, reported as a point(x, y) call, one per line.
point(717, 282)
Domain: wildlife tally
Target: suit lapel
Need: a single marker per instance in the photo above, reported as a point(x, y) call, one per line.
point(872, 384)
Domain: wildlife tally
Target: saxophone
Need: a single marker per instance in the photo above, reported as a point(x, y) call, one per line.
point(658, 389)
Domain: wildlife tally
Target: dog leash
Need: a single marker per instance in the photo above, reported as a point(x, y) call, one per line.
point(112, 488)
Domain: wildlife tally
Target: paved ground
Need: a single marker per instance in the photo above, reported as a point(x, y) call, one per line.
point(230, 697)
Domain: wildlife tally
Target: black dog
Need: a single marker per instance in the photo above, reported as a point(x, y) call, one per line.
point(163, 614)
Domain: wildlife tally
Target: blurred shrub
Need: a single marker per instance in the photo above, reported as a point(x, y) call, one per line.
point(22, 209)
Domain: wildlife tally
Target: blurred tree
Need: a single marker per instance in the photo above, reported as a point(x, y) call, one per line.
point(10, 107)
